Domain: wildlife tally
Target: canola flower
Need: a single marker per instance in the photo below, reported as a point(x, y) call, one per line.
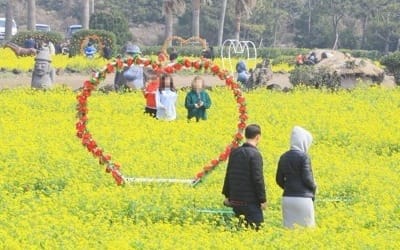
point(53, 193)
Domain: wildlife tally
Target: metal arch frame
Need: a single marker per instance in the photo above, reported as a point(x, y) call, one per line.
point(239, 47)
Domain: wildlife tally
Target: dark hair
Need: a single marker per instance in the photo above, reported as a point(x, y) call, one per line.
point(162, 83)
point(252, 131)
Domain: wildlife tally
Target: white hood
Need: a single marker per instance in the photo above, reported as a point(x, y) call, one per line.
point(300, 139)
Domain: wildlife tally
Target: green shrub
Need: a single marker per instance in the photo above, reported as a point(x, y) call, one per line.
point(392, 64)
point(314, 77)
point(52, 36)
point(112, 22)
point(100, 37)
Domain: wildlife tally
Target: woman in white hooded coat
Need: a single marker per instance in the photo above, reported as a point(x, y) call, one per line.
point(294, 175)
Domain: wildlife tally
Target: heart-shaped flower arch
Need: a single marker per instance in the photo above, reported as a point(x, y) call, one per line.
point(198, 64)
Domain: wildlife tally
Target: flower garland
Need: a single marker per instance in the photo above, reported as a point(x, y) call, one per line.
point(118, 64)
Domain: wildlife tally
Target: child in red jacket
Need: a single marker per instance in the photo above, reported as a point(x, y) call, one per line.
point(149, 93)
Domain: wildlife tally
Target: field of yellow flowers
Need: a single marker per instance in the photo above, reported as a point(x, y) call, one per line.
point(55, 195)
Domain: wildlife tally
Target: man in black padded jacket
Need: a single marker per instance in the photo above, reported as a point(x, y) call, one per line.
point(244, 186)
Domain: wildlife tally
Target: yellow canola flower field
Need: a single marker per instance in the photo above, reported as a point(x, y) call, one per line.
point(55, 195)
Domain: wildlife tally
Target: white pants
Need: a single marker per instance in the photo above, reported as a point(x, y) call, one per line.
point(298, 211)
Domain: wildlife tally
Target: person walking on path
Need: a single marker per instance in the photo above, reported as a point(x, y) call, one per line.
point(294, 175)
point(244, 186)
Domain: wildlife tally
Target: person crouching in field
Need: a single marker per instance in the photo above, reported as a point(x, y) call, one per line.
point(294, 175)
point(197, 101)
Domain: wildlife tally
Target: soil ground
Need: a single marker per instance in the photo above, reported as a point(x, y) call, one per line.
point(75, 80)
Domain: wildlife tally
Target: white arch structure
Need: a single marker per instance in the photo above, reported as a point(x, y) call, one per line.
point(242, 48)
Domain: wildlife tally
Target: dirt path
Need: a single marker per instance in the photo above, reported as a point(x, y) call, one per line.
point(74, 81)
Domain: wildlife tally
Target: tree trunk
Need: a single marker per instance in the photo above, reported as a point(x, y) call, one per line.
point(196, 18)
point(309, 20)
point(85, 14)
point(31, 15)
point(363, 29)
point(92, 7)
point(238, 19)
point(9, 18)
point(169, 24)
point(222, 22)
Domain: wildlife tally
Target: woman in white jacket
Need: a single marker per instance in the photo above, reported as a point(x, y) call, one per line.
point(166, 97)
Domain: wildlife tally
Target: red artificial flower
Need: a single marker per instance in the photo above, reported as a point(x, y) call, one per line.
point(187, 63)
point(169, 70)
point(108, 169)
point(215, 69)
point(129, 61)
point(110, 68)
point(84, 119)
point(241, 125)
point(240, 100)
point(147, 62)
point(235, 144)
point(208, 168)
point(117, 166)
point(98, 152)
point(200, 175)
point(228, 150)
point(88, 85)
point(223, 156)
point(239, 136)
point(104, 159)
point(79, 134)
point(237, 92)
point(197, 65)
point(82, 109)
point(82, 99)
point(229, 80)
point(138, 60)
point(117, 176)
point(91, 145)
point(177, 66)
point(243, 117)
point(214, 162)
point(206, 63)
point(119, 64)
point(222, 75)
point(162, 57)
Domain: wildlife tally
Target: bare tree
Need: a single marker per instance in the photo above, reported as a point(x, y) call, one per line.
point(242, 8)
point(85, 14)
point(170, 9)
point(222, 22)
point(31, 14)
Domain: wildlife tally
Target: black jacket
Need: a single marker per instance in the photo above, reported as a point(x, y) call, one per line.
point(244, 179)
point(294, 174)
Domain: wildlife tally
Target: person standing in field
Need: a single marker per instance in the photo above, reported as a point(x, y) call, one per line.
point(197, 101)
point(166, 97)
point(131, 77)
point(294, 175)
point(150, 93)
point(244, 186)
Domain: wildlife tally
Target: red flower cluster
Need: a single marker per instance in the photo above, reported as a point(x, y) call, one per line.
point(160, 67)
